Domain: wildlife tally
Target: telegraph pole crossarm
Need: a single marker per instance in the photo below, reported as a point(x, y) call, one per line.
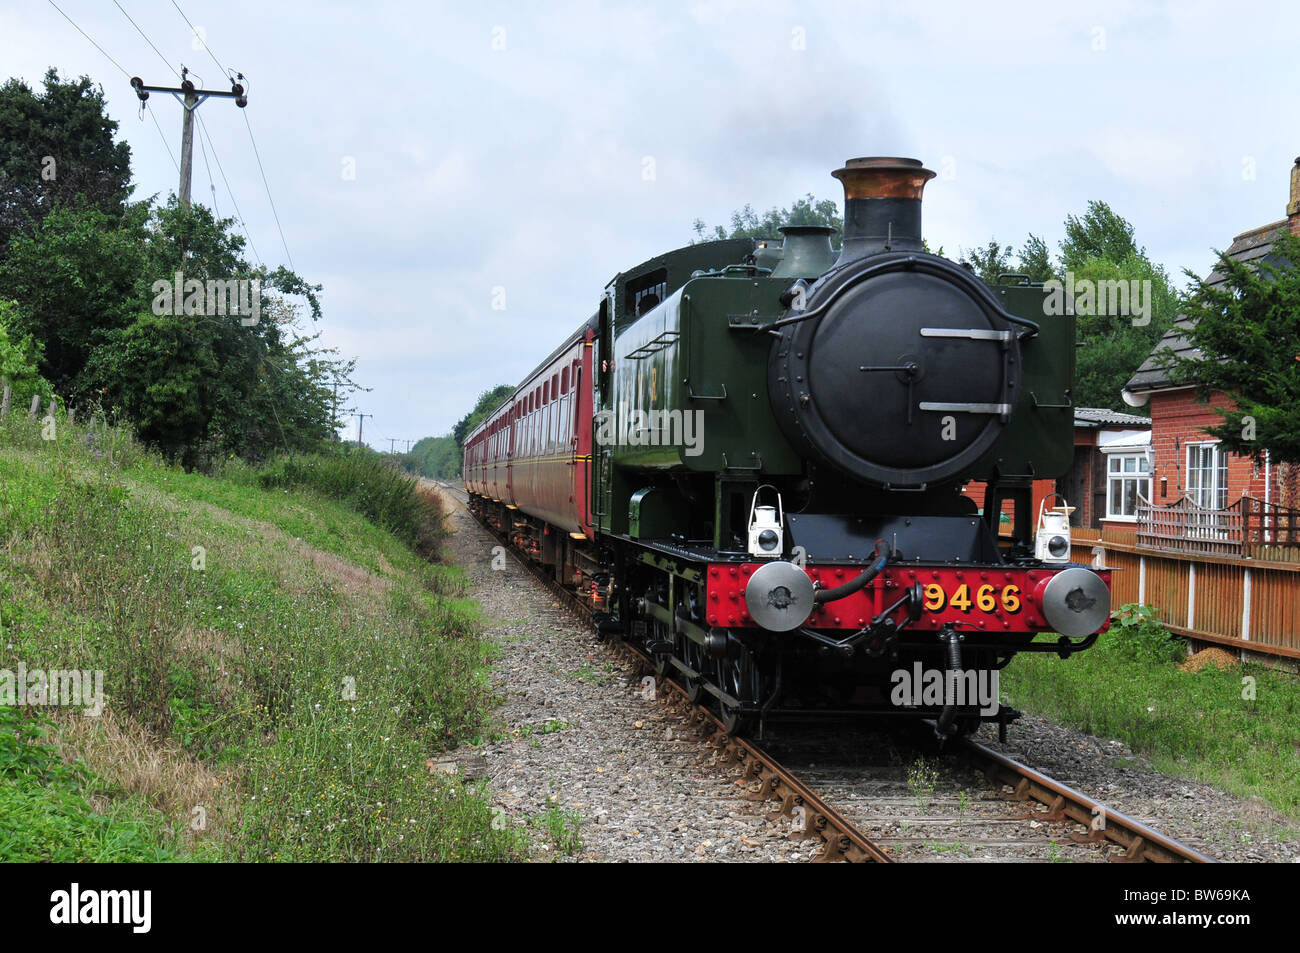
point(190, 99)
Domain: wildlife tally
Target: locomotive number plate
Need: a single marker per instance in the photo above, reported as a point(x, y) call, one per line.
point(985, 598)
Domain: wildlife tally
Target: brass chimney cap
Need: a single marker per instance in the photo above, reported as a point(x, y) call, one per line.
point(883, 177)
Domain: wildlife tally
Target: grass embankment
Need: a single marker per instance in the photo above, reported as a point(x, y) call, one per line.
point(277, 668)
point(1237, 728)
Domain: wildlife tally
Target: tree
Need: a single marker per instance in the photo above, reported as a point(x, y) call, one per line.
point(992, 260)
point(57, 149)
point(747, 223)
point(19, 360)
point(441, 457)
point(77, 274)
point(1035, 260)
point(198, 385)
point(1099, 252)
point(487, 402)
point(1247, 332)
point(94, 280)
point(1100, 233)
point(1116, 344)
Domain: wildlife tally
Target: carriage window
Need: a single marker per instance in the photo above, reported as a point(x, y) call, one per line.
point(564, 381)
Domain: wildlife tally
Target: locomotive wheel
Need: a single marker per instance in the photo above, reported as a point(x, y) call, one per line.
point(739, 677)
point(662, 660)
point(694, 657)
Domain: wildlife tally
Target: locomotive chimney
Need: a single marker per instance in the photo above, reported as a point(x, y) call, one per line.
point(882, 205)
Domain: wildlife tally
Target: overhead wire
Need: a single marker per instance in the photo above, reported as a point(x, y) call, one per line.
point(163, 136)
point(91, 39)
point(239, 216)
point(146, 39)
point(87, 36)
point(201, 38)
point(276, 214)
point(251, 138)
point(211, 184)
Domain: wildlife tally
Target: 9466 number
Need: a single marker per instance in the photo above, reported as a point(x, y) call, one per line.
point(986, 598)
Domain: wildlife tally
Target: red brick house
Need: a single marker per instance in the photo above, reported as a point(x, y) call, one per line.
point(1098, 434)
point(1186, 460)
point(1112, 463)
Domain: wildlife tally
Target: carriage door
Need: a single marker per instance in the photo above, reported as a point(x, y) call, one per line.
point(513, 418)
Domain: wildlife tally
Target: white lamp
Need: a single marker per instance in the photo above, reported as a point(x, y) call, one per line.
point(1052, 541)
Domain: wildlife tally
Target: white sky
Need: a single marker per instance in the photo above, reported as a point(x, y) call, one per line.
point(521, 167)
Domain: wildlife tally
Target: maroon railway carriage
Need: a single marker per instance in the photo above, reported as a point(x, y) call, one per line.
point(527, 466)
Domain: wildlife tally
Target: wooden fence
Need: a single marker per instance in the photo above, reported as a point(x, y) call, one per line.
point(1249, 527)
point(1233, 600)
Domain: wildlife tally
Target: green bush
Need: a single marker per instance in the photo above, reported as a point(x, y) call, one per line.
point(364, 481)
point(19, 357)
point(1140, 636)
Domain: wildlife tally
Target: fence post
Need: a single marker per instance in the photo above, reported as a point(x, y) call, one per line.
point(1245, 605)
point(4, 399)
point(36, 405)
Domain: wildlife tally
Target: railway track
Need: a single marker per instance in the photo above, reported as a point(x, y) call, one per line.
point(903, 809)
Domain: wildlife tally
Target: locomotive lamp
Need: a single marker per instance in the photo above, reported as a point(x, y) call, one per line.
point(766, 536)
point(1052, 541)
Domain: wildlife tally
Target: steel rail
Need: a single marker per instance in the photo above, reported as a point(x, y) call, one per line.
point(1140, 842)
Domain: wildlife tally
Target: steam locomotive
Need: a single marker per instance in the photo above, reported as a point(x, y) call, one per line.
point(750, 459)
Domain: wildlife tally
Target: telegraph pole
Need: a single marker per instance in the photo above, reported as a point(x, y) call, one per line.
point(361, 422)
point(408, 445)
point(335, 418)
point(392, 443)
point(190, 98)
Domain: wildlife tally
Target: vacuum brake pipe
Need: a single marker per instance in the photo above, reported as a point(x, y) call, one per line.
point(853, 585)
point(948, 635)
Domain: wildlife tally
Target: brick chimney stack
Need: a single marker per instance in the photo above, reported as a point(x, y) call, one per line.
point(1293, 206)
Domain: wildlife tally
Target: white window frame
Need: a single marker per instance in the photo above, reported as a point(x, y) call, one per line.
point(1212, 498)
point(1140, 474)
point(1217, 496)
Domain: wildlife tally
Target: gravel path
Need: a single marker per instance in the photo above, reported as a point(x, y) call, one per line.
point(575, 733)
